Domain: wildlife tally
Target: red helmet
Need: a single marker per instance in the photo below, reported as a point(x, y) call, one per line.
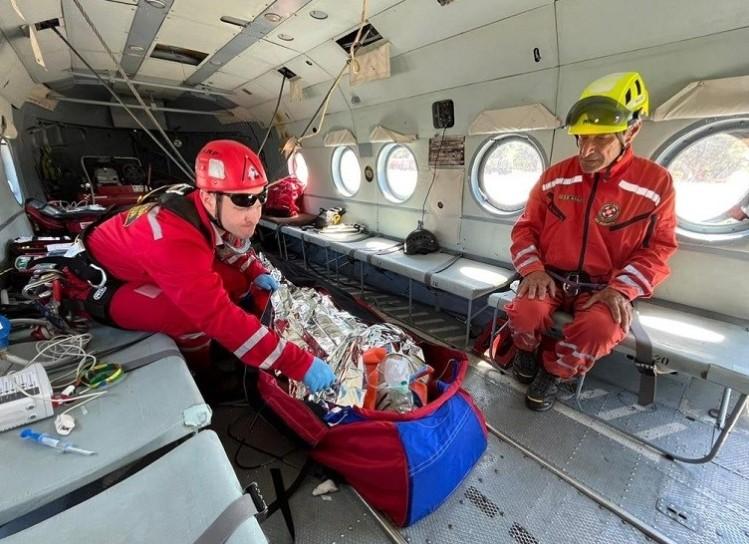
point(226, 165)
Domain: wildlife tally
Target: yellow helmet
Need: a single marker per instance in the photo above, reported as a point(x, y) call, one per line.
point(609, 105)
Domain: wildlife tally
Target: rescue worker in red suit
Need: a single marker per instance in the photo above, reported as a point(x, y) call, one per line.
point(185, 280)
point(596, 234)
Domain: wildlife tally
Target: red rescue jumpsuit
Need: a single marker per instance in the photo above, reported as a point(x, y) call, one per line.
point(617, 226)
point(178, 283)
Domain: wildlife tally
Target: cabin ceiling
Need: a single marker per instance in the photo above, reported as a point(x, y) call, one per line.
point(433, 46)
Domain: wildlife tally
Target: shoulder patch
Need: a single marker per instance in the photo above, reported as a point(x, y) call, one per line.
point(136, 211)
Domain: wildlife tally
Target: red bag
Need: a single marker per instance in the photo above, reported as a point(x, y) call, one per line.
point(502, 349)
point(284, 198)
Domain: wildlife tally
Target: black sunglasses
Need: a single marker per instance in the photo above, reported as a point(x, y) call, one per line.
point(244, 200)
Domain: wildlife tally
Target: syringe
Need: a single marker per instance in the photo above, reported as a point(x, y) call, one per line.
point(51, 442)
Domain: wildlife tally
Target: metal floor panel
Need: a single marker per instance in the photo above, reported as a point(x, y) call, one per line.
point(629, 475)
point(509, 497)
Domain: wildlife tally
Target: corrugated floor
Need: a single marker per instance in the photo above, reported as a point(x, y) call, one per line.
point(510, 497)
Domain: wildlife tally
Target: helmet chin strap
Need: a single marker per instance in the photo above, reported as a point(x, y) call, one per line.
point(246, 243)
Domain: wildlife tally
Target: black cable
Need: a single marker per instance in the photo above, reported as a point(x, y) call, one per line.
point(434, 176)
point(242, 443)
point(273, 117)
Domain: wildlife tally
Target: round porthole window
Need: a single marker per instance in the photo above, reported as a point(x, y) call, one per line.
point(397, 172)
point(709, 163)
point(504, 172)
point(346, 171)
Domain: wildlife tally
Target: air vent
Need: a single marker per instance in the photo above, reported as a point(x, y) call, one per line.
point(178, 54)
point(285, 72)
point(49, 23)
point(369, 35)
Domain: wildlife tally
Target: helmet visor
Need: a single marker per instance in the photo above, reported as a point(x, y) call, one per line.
point(598, 114)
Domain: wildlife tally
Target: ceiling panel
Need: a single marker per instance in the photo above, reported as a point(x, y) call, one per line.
point(306, 69)
point(309, 32)
point(165, 70)
point(443, 21)
point(614, 27)
point(211, 12)
point(258, 59)
point(33, 11)
point(247, 66)
point(509, 43)
point(222, 80)
point(111, 19)
point(207, 38)
point(329, 57)
point(97, 59)
point(57, 63)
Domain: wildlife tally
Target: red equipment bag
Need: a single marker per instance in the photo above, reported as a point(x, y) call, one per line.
point(404, 465)
point(284, 198)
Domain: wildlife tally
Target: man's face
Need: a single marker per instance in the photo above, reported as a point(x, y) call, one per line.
point(596, 152)
point(236, 220)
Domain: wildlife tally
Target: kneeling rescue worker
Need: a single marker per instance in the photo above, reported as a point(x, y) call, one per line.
point(596, 234)
point(174, 267)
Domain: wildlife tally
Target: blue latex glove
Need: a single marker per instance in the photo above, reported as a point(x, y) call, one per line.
point(318, 376)
point(267, 282)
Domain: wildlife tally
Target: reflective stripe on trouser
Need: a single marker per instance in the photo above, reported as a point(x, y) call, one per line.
point(591, 334)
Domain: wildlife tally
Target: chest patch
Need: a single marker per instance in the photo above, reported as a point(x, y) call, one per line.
point(136, 211)
point(608, 213)
point(570, 198)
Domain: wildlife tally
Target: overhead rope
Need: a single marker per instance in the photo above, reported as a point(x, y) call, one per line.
point(187, 172)
point(132, 88)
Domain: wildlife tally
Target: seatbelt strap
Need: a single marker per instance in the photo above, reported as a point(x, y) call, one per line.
point(643, 344)
point(282, 501)
point(228, 522)
point(283, 495)
point(644, 361)
point(438, 269)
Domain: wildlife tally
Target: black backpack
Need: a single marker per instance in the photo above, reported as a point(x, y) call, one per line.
point(420, 241)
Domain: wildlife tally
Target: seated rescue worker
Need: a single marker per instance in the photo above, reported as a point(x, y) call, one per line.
point(595, 235)
point(175, 267)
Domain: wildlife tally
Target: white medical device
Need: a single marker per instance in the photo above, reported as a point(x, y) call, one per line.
point(17, 409)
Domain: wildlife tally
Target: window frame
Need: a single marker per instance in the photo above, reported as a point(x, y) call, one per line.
point(671, 149)
point(17, 192)
point(335, 167)
point(382, 174)
point(477, 167)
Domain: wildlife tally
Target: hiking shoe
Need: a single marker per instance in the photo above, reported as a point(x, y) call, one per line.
point(524, 366)
point(542, 392)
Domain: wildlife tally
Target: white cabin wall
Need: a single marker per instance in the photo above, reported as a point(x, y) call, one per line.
point(492, 67)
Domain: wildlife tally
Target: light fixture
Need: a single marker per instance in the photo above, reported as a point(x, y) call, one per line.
point(158, 4)
point(286, 37)
point(136, 48)
point(317, 14)
point(273, 17)
point(215, 62)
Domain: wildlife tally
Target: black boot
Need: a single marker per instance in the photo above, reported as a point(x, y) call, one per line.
point(542, 392)
point(524, 366)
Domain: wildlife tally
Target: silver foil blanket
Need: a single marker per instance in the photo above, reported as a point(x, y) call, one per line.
point(311, 320)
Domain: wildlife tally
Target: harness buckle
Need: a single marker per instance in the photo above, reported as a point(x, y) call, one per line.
point(571, 284)
point(103, 280)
